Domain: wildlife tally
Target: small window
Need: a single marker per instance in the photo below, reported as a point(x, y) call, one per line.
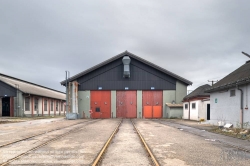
point(193, 105)
point(232, 93)
point(57, 106)
point(45, 105)
point(51, 106)
point(97, 109)
point(27, 104)
point(186, 106)
point(36, 104)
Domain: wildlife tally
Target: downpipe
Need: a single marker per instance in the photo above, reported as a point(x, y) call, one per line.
point(241, 105)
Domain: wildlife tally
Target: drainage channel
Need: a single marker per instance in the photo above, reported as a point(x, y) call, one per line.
point(48, 141)
point(124, 148)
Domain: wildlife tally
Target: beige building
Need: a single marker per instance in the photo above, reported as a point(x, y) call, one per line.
point(23, 98)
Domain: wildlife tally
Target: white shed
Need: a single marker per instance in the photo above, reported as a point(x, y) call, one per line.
point(196, 105)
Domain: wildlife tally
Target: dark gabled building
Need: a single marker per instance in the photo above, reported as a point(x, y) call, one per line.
point(124, 86)
point(198, 93)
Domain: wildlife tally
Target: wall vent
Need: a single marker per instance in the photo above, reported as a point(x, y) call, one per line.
point(126, 70)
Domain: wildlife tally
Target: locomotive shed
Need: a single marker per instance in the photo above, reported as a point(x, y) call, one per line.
point(124, 86)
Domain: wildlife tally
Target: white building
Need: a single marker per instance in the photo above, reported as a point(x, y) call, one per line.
point(196, 105)
point(229, 98)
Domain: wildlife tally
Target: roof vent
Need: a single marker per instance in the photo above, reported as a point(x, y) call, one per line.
point(126, 71)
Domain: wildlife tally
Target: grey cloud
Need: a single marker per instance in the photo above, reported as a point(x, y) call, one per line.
point(198, 40)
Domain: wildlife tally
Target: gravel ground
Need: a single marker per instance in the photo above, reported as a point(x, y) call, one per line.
point(16, 131)
point(174, 147)
point(13, 150)
point(79, 148)
point(245, 144)
point(126, 148)
point(4, 120)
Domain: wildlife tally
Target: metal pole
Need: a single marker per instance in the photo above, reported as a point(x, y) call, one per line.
point(66, 94)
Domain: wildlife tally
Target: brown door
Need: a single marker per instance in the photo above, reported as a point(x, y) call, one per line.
point(152, 104)
point(101, 104)
point(126, 104)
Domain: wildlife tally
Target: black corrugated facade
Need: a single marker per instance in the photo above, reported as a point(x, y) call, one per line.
point(7, 90)
point(142, 77)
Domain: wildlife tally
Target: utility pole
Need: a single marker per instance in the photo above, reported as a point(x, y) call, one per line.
point(67, 76)
point(212, 81)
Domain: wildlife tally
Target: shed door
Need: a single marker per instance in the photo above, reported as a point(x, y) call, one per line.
point(208, 111)
point(126, 104)
point(152, 104)
point(101, 104)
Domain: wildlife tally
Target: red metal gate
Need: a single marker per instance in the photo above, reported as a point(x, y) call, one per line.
point(100, 104)
point(126, 104)
point(152, 104)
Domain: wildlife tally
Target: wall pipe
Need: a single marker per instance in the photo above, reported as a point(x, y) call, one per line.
point(66, 93)
point(189, 109)
point(241, 105)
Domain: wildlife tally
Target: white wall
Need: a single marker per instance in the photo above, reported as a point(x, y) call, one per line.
point(185, 111)
point(203, 109)
point(227, 108)
point(200, 111)
point(194, 112)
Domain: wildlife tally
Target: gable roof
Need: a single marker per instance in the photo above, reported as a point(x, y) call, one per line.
point(239, 76)
point(198, 92)
point(31, 88)
point(133, 56)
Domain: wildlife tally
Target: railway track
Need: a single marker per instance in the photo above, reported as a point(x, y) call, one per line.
point(100, 156)
point(46, 142)
point(35, 135)
point(181, 126)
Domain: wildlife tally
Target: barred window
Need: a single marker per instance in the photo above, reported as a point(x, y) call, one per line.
point(51, 106)
point(56, 105)
point(186, 106)
point(36, 104)
point(193, 105)
point(45, 105)
point(27, 104)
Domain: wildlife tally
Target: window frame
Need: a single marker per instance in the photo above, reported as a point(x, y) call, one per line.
point(45, 105)
point(232, 94)
point(51, 106)
point(27, 106)
point(56, 106)
point(36, 104)
point(193, 105)
point(186, 106)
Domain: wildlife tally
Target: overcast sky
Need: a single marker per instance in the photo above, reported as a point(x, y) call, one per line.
point(198, 40)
